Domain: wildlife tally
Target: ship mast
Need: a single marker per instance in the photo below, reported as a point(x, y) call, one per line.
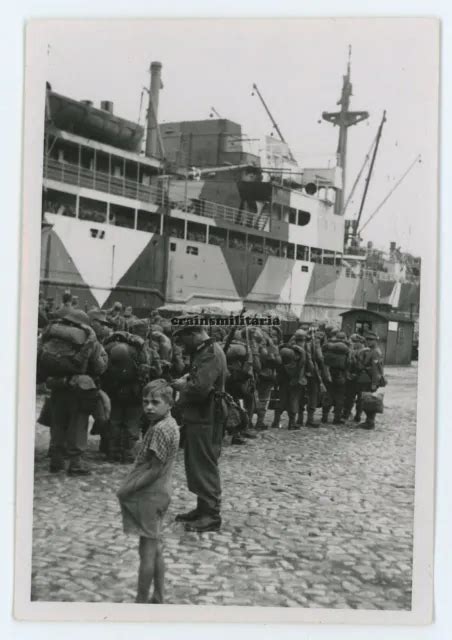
point(344, 119)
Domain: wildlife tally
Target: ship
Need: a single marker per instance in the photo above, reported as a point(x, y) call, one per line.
point(179, 215)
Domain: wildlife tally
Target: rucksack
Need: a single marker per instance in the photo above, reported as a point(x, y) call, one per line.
point(65, 350)
point(336, 355)
point(125, 357)
point(230, 413)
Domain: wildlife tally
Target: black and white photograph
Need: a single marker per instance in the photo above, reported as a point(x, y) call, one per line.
point(228, 304)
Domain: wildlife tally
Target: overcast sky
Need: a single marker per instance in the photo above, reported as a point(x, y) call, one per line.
point(298, 65)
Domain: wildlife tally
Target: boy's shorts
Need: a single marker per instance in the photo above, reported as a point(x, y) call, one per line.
point(142, 516)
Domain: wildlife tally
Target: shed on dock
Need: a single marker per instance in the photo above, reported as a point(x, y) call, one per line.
point(395, 332)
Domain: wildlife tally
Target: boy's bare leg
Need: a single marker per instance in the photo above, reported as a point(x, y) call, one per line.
point(146, 572)
point(159, 576)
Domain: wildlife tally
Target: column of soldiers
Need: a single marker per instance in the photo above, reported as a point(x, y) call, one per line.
point(97, 364)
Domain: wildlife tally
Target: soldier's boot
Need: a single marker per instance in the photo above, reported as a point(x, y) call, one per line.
point(369, 423)
point(237, 439)
point(325, 417)
point(310, 422)
point(207, 522)
point(78, 467)
point(190, 516)
point(276, 424)
point(56, 461)
point(293, 426)
point(357, 417)
point(338, 419)
point(260, 425)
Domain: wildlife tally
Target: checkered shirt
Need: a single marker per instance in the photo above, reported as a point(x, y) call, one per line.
point(162, 439)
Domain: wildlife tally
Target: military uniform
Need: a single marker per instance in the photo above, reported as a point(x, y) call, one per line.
point(291, 381)
point(316, 378)
point(352, 387)
point(124, 382)
point(336, 358)
point(266, 379)
point(203, 431)
point(371, 376)
point(69, 413)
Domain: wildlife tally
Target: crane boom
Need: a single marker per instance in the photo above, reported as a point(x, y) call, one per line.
point(273, 121)
point(369, 175)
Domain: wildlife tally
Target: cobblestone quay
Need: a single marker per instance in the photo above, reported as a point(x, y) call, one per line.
point(311, 518)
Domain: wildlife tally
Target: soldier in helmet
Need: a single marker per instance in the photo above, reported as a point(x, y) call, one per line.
point(291, 380)
point(243, 366)
point(129, 369)
point(70, 359)
point(336, 357)
point(270, 360)
point(371, 376)
point(316, 375)
point(352, 388)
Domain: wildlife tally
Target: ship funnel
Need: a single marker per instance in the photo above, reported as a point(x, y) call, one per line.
point(107, 105)
point(152, 135)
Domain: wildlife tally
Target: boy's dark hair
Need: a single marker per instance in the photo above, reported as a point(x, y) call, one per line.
point(160, 388)
point(67, 297)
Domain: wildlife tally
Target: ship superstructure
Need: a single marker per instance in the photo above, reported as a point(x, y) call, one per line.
point(195, 219)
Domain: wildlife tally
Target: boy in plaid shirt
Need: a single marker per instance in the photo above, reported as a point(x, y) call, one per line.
point(145, 494)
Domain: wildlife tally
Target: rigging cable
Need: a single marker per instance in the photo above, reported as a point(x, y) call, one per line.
point(417, 159)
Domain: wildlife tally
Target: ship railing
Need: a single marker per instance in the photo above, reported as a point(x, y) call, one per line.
point(100, 181)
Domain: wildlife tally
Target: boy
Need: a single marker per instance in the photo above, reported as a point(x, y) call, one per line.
point(145, 494)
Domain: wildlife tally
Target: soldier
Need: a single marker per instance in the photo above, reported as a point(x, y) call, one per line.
point(128, 372)
point(203, 429)
point(336, 358)
point(70, 358)
point(65, 306)
point(100, 324)
point(243, 365)
point(352, 389)
point(291, 380)
point(115, 316)
point(316, 375)
point(371, 376)
point(270, 360)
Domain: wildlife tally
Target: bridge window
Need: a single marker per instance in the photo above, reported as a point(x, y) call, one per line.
point(174, 227)
point(255, 244)
point(272, 247)
point(218, 236)
point(292, 215)
point(237, 240)
point(93, 210)
point(288, 250)
point(338, 261)
point(316, 255)
point(148, 221)
point(303, 218)
point(196, 231)
point(192, 251)
point(58, 202)
point(302, 252)
point(305, 268)
point(122, 216)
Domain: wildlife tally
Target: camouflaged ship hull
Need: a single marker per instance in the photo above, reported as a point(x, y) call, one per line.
point(148, 270)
